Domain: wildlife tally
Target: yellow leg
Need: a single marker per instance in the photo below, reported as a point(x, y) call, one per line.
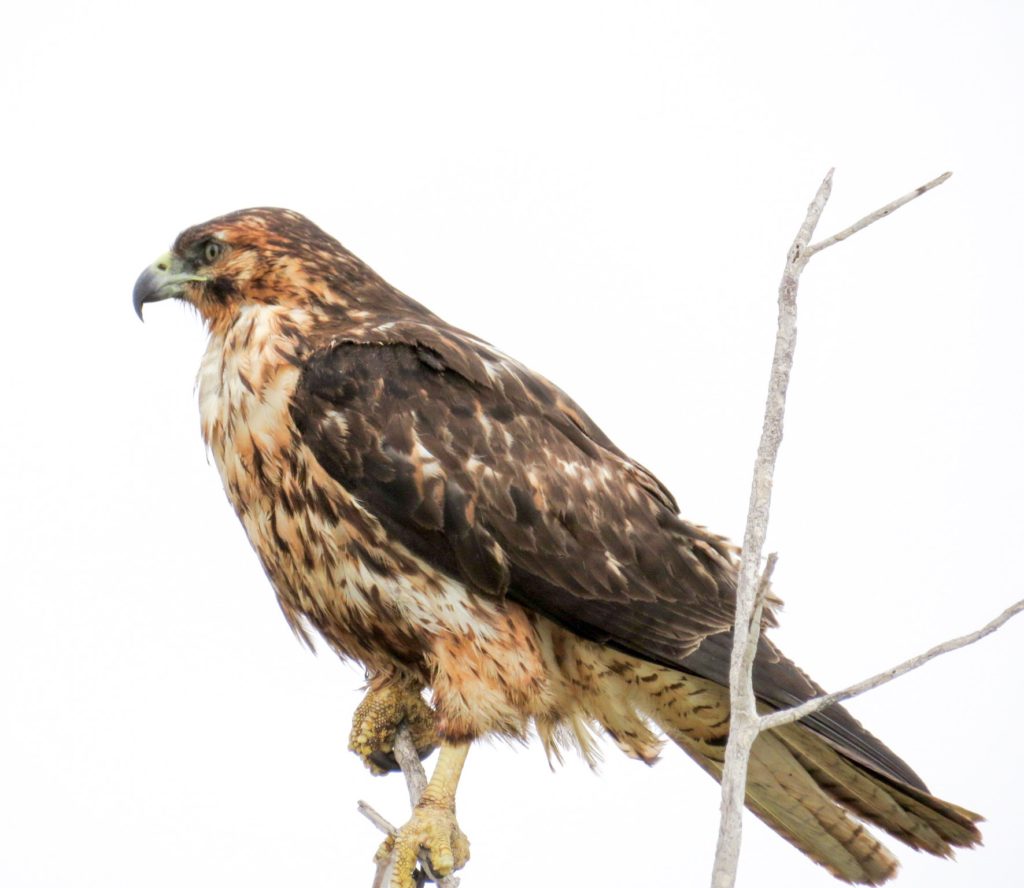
point(432, 826)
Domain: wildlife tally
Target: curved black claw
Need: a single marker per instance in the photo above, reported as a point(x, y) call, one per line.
point(386, 761)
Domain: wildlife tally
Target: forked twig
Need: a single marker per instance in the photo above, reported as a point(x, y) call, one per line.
point(881, 213)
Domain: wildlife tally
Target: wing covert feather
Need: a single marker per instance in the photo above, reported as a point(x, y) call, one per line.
point(512, 488)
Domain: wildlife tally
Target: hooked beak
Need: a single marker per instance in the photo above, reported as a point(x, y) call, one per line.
point(164, 279)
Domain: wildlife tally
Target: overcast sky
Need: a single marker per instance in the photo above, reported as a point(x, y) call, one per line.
point(606, 191)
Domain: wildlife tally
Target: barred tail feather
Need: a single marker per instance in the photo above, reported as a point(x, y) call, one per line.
point(819, 799)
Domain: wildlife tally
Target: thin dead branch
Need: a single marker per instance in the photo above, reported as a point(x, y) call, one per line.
point(409, 761)
point(875, 216)
point(745, 723)
point(786, 716)
point(764, 587)
point(743, 714)
point(377, 819)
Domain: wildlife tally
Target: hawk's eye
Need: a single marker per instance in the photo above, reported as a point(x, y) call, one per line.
point(211, 251)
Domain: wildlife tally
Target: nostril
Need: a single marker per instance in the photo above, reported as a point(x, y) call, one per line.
point(161, 266)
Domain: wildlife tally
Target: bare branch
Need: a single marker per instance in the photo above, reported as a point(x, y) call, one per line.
point(378, 820)
point(744, 723)
point(382, 876)
point(786, 716)
point(764, 586)
point(409, 761)
point(887, 210)
point(743, 719)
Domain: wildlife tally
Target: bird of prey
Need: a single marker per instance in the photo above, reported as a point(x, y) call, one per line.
point(458, 525)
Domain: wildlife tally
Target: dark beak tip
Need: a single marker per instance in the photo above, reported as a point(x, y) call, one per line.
point(143, 292)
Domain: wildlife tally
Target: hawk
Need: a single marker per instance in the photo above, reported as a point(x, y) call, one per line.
point(459, 525)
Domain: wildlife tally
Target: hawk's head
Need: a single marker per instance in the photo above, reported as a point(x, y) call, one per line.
point(262, 255)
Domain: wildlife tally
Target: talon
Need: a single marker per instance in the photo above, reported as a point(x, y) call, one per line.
point(432, 830)
point(377, 719)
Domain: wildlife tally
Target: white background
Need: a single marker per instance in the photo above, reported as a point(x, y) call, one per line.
point(607, 192)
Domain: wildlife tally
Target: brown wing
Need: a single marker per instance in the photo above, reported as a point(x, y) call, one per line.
point(499, 487)
point(492, 474)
